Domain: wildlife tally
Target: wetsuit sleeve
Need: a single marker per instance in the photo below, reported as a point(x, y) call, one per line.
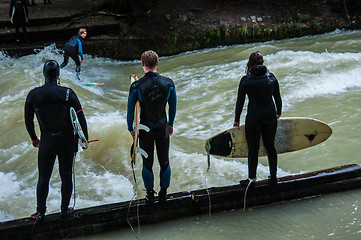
point(11, 10)
point(29, 117)
point(130, 108)
point(25, 8)
point(75, 103)
point(172, 102)
point(80, 49)
point(241, 96)
point(277, 98)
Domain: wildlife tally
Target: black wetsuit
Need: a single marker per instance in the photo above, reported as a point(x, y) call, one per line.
point(263, 93)
point(32, 2)
point(51, 104)
point(153, 92)
point(74, 49)
point(18, 13)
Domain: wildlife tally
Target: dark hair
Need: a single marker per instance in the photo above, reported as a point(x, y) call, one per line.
point(149, 59)
point(256, 58)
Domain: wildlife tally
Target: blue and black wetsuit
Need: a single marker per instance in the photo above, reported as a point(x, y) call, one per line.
point(51, 104)
point(74, 49)
point(18, 13)
point(263, 93)
point(153, 92)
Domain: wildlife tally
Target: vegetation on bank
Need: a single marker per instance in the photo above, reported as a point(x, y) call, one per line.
point(175, 41)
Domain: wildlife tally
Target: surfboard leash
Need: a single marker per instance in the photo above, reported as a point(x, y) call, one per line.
point(209, 196)
point(135, 194)
point(245, 193)
point(73, 172)
point(129, 223)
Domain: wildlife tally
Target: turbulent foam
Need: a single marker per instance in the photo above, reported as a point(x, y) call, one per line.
point(206, 89)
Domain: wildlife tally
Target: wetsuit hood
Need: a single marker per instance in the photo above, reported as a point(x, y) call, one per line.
point(258, 70)
point(51, 71)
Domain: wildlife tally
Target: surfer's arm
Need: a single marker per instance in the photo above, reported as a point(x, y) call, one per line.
point(29, 118)
point(11, 11)
point(132, 100)
point(26, 9)
point(241, 96)
point(277, 98)
point(80, 50)
point(172, 102)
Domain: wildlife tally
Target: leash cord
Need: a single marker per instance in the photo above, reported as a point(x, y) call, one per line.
point(74, 194)
point(130, 204)
point(209, 196)
point(245, 194)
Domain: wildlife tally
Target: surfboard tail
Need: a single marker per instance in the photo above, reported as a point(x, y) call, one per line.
point(77, 129)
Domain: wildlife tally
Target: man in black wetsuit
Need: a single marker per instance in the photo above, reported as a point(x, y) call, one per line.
point(74, 49)
point(51, 103)
point(153, 92)
point(18, 14)
point(263, 93)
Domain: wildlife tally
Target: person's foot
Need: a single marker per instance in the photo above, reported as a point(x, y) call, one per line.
point(272, 180)
point(149, 198)
point(162, 195)
point(67, 213)
point(248, 182)
point(38, 217)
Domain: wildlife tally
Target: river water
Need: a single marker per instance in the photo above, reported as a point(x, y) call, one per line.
point(319, 78)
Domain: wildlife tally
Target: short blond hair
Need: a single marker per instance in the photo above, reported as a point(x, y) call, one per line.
point(149, 59)
point(82, 30)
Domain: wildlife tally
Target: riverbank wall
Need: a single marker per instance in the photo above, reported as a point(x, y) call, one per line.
point(169, 28)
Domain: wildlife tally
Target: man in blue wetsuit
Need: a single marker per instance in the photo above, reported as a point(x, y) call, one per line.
point(153, 92)
point(263, 93)
point(74, 49)
point(51, 103)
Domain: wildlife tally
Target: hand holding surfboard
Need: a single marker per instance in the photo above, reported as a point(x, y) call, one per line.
point(137, 126)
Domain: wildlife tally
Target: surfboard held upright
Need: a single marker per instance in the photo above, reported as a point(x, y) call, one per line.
point(77, 129)
point(292, 134)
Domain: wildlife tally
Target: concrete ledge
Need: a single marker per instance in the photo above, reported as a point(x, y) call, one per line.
point(115, 216)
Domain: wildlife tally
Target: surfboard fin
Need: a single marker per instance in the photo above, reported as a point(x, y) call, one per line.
point(138, 150)
point(311, 137)
point(142, 152)
point(143, 127)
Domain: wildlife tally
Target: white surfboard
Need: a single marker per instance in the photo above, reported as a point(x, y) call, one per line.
point(292, 134)
point(77, 128)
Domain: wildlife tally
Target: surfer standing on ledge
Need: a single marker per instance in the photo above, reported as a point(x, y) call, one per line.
point(51, 104)
point(74, 49)
point(153, 92)
point(262, 89)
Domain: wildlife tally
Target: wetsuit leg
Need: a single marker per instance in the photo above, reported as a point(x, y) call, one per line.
point(46, 159)
point(146, 142)
point(253, 133)
point(162, 146)
point(17, 39)
point(66, 60)
point(25, 33)
point(76, 59)
point(268, 135)
point(65, 170)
